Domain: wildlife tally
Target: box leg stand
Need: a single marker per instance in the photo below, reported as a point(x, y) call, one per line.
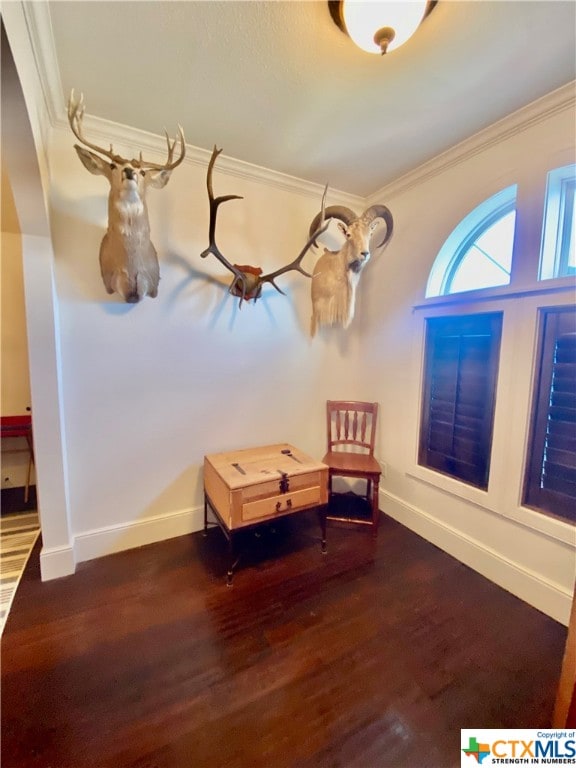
point(218, 523)
point(234, 559)
point(322, 515)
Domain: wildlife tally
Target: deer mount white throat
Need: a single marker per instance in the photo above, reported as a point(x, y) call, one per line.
point(128, 258)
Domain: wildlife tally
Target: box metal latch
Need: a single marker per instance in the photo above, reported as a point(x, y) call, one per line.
point(284, 482)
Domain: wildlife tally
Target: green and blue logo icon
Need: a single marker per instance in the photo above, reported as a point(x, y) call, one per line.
point(476, 749)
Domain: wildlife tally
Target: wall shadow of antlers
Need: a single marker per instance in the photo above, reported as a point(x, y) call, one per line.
point(247, 281)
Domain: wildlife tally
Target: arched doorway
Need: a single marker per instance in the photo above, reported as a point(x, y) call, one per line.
point(20, 161)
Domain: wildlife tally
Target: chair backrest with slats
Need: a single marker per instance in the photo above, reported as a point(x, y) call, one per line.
point(351, 425)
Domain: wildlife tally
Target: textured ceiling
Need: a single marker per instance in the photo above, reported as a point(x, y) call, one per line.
point(278, 85)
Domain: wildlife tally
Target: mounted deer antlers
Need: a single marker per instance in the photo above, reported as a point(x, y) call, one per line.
point(128, 259)
point(248, 281)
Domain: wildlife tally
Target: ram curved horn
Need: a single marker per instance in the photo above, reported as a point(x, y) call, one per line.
point(333, 212)
point(380, 212)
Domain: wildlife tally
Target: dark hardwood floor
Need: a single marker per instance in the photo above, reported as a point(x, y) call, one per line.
point(372, 656)
point(12, 500)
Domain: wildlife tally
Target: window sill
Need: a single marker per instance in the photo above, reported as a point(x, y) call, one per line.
point(543, 524)
point(450, 485)
point(544, 287)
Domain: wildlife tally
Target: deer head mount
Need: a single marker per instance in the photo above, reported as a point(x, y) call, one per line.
point(128, 259)
point(247, 280)
point(337, 273)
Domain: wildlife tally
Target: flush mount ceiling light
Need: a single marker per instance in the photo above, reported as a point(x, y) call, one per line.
point(379, 27)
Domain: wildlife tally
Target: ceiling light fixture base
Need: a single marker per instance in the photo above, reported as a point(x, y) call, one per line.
point(371, 34)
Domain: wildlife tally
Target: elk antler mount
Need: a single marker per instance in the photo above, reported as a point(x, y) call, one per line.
point(247, 280)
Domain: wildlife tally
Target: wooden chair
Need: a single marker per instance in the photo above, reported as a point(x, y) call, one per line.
point(351, 436)
point(20, 426)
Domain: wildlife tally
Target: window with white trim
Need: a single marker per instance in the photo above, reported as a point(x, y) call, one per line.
point(557, 256)
point(461, 352)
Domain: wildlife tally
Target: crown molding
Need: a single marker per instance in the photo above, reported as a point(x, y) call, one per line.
point(105, 132)
point(559, 100)
point(39, 25)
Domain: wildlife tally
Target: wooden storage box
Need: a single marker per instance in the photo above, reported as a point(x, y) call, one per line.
point(258, 484)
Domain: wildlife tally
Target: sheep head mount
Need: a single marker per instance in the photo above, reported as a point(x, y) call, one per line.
point(128, 259)
point(337, 273)
point(247, 280)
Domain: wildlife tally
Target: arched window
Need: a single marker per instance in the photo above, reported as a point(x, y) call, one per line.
point(478, 253)
point(462, 351)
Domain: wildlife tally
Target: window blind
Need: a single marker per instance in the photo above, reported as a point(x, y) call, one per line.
point(461, 364)
point(551, 466)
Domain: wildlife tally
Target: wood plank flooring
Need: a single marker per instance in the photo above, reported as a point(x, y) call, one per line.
point(373, 656)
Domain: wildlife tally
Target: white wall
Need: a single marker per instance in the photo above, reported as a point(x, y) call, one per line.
point(149, 389)
point(526, 552)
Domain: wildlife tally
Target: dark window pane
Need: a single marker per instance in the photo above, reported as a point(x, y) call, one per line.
point(551, 466)
point(459, 395)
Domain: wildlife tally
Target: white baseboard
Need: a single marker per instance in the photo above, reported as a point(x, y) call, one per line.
point(56, 562)
point(533, 588)
point(105, 541)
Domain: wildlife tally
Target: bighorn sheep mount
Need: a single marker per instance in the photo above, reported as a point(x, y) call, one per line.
point(248, 280)
point(128, 259)
point(337, 273)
